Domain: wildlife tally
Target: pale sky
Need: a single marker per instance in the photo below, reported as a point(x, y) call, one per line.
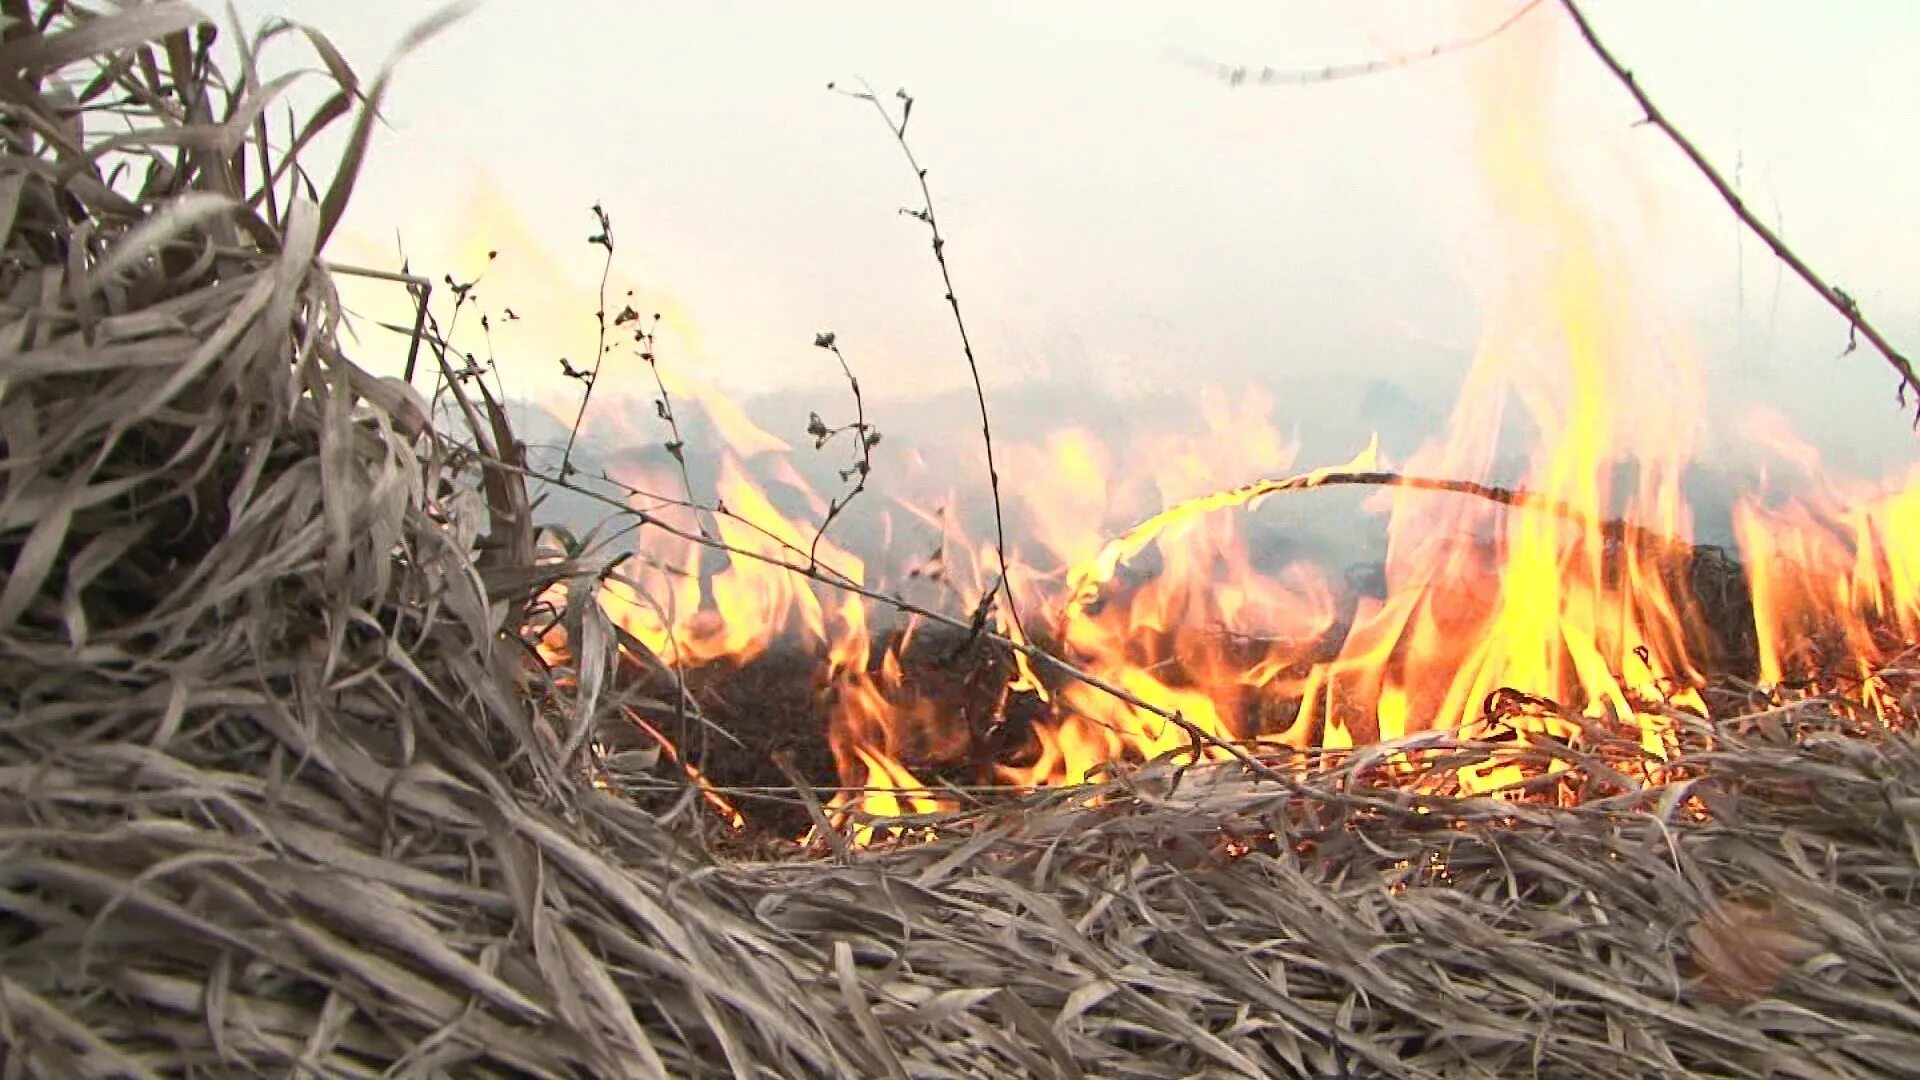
point(1113, 217)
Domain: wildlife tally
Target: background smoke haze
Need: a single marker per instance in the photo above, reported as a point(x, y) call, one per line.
point(1124, 230)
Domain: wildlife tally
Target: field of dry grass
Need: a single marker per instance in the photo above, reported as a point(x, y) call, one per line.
point(284, 792)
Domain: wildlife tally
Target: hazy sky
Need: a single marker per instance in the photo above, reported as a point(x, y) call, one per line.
point(1116, 217)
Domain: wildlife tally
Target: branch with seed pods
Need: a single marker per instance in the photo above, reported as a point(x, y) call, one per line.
point(927, 216)
point(590, 377)
point(644, 335)
point(866, 437)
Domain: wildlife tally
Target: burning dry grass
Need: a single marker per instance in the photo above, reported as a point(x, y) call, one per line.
point(279, 795)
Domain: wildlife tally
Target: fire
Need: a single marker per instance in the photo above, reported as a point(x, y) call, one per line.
point(551, 648)
point(1556, 605)
point(1528, 622)
point(1836, 585)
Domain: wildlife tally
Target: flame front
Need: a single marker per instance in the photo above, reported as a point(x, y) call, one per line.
point(1522, 620)
point(1557, 601)
point(1836, 589)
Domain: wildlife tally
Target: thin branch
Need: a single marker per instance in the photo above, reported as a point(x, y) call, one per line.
point(1836, 298)
point(1240, 74)
point(663, 405)
point(442, 340)
point(591, 377)
point(1085, 590)
point(865, 437)
point(927, 216)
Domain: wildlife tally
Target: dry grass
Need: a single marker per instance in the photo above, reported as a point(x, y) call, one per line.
point(280, 795)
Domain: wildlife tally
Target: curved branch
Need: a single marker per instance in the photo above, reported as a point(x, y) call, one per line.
point(1083, 586)
point(1237, 74)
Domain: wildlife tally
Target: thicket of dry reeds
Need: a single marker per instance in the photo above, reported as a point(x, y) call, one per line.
point(281, 792)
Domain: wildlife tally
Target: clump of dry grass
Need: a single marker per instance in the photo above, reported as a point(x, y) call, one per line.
point(279, 795)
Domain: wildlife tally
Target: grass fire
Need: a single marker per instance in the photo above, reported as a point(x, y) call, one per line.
point(351, 729)
point(1566, 611)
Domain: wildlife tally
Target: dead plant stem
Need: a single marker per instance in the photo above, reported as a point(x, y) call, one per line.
point(604, 238)
point(862, 466)
point(1237, 74)
point(1836, 298)
point(928, 216)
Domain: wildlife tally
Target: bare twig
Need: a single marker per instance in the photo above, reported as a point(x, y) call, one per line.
point(591, 376)
point(1240, 74)
point(463, 294)
point(1836, 298)
point(440, 340)
point(865, 437)
point(927, 216)
point(1084, 589)
point(645, 336)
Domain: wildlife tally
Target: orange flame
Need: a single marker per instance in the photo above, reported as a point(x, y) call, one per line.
point(1836, 588)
